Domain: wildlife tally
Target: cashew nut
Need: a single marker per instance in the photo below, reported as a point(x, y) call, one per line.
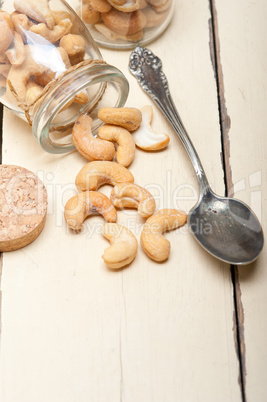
point(125, 23)
point(143, 4)
point(39, 62)
point(55, 34)
point(129, 195)
point(16, 54)
point(19, 75)
point(112, 35)
point(21, 23)
point(81, 98)
point(119, 2)
point(87, 145)
point(38, 10)
point(60, 15)
point(33, 92)
point(123, 247)
point(72, 44)
point(127, 7)
point(153, 243)
point(147, 139)
point(89, 14)
point(79, 207)
point(102, 6)
point(95, 174)
point(126, 117)
point(77, 58)
point(126, 145)
point(61, 61)
point(6, 31)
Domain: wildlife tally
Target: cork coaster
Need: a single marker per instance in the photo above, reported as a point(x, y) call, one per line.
point(23, 206)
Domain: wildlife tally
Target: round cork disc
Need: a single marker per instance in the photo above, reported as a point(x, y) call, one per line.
point(23, 206)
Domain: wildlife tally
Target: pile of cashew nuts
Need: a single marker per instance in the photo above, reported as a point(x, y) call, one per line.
point(122, 126)
point(37, 44)
point(124, 19)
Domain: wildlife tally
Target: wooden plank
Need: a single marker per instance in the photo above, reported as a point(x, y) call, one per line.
point(73, 330)
point(243, 41)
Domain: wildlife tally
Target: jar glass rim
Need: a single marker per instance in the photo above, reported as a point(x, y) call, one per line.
point(54, 101)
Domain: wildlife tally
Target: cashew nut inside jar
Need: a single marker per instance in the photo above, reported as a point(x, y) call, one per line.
point(51, 70)
point(122, 24)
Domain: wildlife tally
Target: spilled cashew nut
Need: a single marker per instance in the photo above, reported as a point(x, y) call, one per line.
point(152, 241)
point(79, 207)
point(123, 247)
point(95, 174)
point(87, 145)
point(126, 117)
point(38, 10)
point(145, 137)
point(126, 145)
point(129, 195)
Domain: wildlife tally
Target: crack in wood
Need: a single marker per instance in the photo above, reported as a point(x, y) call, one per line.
point(225, 125)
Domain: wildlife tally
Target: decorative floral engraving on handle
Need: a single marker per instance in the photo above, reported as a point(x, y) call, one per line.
point(148, 70)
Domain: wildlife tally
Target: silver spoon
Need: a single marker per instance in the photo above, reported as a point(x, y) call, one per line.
point(227, 228)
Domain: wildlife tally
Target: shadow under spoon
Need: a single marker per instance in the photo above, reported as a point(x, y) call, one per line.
point(226, 227)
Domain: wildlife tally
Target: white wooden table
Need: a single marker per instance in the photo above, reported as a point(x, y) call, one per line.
point(192, 329)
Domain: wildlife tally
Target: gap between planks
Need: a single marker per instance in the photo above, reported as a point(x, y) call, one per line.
point(1, 256)
point(225, 125)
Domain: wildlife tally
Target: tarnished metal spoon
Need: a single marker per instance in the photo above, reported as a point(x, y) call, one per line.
point(227, 228)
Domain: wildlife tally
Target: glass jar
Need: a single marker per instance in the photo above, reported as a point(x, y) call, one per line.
point(51, 70)
point(124, 24)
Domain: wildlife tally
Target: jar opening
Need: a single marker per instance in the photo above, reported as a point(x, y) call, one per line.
point(98, 85)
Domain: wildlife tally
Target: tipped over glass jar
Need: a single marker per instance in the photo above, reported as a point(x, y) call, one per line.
point(51, 70)
point(122, 24)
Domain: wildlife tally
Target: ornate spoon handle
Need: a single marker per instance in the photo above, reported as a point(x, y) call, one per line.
point(147, 68)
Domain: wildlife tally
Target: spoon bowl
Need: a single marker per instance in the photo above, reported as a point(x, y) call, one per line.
point(227, 228)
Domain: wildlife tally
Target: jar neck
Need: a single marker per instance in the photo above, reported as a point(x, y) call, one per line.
point(54, 115)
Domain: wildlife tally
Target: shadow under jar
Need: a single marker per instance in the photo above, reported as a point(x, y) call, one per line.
point(51, 70)
point(122, 24)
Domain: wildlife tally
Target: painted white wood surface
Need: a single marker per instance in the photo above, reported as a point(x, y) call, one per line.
point(243, 42)
point(74, 331)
